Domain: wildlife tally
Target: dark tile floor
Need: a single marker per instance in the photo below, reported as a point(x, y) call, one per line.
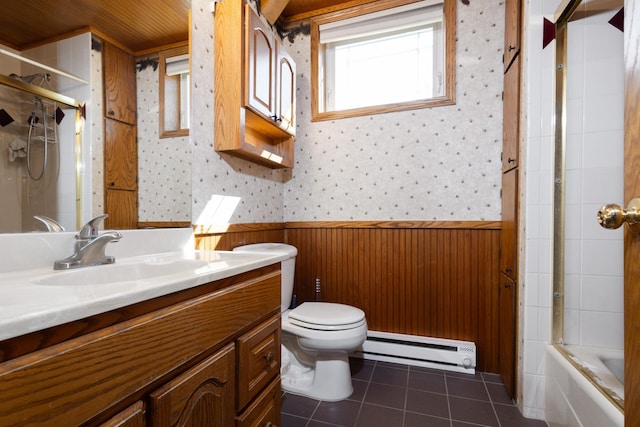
point(394, 395)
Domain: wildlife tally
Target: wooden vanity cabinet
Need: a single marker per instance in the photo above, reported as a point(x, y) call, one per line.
point(254, 96)
point(207, 356)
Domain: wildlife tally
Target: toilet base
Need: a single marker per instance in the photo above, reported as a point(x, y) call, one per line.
point(329, 381)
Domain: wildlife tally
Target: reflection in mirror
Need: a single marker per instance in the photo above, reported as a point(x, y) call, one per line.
point(78, 195)
point(38, 136)
point(174, 92)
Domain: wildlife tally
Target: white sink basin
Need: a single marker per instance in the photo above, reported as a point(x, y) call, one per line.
point(142, 270)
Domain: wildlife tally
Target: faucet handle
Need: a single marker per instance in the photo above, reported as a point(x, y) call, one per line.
point(90, 229)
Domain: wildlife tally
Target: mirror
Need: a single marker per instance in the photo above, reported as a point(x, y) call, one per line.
point(164, 160)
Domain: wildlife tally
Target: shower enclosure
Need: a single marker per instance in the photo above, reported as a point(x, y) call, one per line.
point(588, 294)
point(40, 132)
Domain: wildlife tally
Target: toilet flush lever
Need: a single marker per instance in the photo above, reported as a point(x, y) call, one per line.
point(613, 216)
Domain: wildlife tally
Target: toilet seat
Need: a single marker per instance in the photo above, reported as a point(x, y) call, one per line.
point(324, 316)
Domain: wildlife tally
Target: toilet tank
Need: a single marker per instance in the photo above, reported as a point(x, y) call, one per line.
point(288, 266)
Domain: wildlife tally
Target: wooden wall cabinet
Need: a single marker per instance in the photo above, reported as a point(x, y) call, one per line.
point(254, 105)
point(508, 284)
point(207, 356)
point(120, 136)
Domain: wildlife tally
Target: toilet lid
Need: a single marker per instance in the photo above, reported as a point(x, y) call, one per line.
point(326, 316)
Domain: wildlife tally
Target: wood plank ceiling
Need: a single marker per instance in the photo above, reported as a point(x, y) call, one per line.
point(137, 25)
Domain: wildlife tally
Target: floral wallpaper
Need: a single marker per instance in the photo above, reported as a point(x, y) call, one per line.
point(440, 163)
point(164, 164)
point(232, 190)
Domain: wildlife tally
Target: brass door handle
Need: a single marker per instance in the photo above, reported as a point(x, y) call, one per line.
point(613, 216)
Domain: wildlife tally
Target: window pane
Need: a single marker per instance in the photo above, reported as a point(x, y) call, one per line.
point(393, 55)
point(385, 70)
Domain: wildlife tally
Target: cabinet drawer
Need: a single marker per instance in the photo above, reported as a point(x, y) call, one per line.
point(133, 416)
point(258, 360)
point(265, 410)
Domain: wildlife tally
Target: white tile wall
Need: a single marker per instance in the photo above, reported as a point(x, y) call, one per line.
point(593, 282)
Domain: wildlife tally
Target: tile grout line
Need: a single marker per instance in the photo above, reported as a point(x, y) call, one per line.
point(406, 395)
point(314, 412)
point(491, 400)
point(446, 391)
point(366, 389)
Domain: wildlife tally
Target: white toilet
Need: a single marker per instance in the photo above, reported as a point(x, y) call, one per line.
point(316, 338)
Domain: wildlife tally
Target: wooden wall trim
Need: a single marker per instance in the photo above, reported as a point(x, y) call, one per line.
point(464, 225)
point(200, 230)
point(235, 228)
point(164, 224)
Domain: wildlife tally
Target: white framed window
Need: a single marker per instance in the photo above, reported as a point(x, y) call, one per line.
point(174, 90)
point(391, 56)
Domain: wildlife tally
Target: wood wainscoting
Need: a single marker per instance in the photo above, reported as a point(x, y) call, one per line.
point(429, 278)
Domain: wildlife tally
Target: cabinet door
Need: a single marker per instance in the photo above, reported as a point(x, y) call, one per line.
point(512, 30)
point(260, 58)
point(286, 92)
point(119, 84)
point(122, 208)
point(509, 231)
point(507, 332)
point(511, 117)
point(121, 156)
point(201, 397)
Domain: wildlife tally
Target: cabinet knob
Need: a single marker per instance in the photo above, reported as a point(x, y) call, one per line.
point(268, 357)
point(112, 184)
point(510, 48)
point(269, 424)
point(510, 160)
point(111, 113)
point(507, 285)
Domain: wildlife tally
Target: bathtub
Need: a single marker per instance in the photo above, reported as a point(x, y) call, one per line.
point(575, 399)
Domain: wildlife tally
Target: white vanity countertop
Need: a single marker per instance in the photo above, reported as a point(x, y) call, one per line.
point(38, 298)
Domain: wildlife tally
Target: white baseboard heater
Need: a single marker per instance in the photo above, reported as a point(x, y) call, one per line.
point(451, 355)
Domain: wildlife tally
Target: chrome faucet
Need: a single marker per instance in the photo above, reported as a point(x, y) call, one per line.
point(89, 247)
point(51, 224)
